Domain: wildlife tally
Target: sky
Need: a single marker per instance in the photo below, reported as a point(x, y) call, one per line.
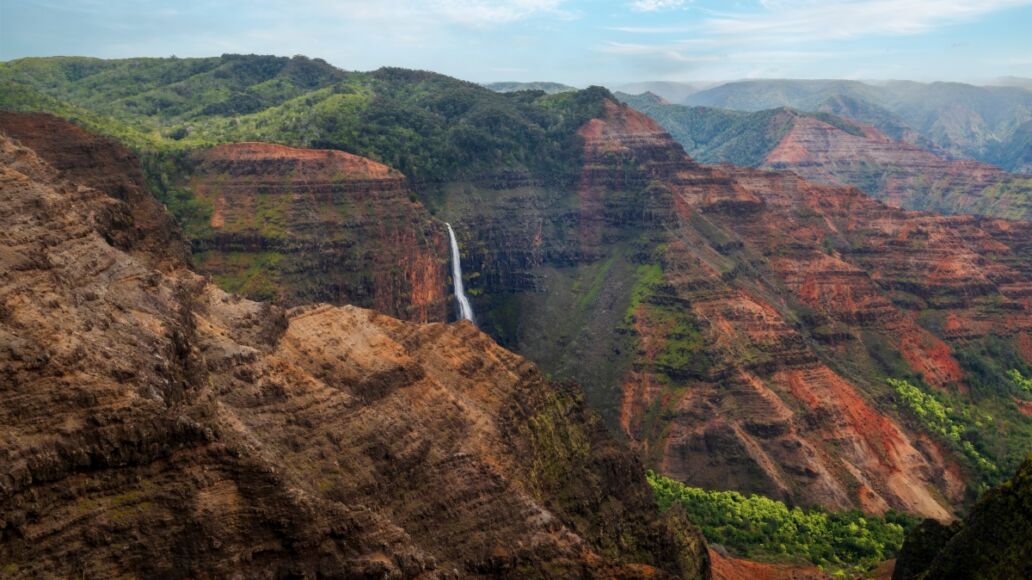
point(578, 42)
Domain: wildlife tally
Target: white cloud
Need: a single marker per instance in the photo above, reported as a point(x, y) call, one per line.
point(655, 5)
point(811, 19)
point(491, 12)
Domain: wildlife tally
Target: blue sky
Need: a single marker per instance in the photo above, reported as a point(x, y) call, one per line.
point(579, 42)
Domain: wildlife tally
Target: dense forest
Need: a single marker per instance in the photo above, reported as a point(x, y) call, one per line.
point(429, 126)
point(760, 528)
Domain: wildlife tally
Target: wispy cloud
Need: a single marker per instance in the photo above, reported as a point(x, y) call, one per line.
point(811, 19)
point(791, 37)
point(493, 12)
point(655, 5)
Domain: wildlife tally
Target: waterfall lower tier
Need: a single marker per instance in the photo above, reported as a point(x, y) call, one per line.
point(465, 310)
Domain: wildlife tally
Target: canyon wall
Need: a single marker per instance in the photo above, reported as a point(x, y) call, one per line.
point(154, 425)
point(899, 173)
point(747, 314)
point(302, 225)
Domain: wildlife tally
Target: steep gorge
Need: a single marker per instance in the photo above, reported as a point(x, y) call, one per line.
point(154, 425)
point(753, 311)
point(737, 326)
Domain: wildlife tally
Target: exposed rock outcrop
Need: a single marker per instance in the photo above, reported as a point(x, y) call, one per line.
point(301, 225)
point(154, 425)
point(753, 288)
point(901, 174)
point(146, 228)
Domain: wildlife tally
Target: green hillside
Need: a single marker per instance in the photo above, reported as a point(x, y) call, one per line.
point(430, 126)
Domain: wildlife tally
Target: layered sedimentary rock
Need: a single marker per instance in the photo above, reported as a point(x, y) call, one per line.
point(154, 425)
point(901, 174)
point(752, 290)
point(748, 317)
point(301, 225)
point(103, 164)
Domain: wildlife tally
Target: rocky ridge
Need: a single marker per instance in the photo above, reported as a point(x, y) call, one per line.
point(847, 142)
point(901, 174)
point(758, 308)
point(156, 425)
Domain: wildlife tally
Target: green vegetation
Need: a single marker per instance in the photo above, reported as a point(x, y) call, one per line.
point(760, 528)
point(192, 213)
point(511, 87)
point(718, 135)
point(958, 424)
point(250, 274)
point(1025, 384)
point(430, 126)
point(647, 279)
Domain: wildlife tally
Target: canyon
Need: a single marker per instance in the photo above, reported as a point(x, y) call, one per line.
point(735, 326)
point(156, 425)
point(754, 310)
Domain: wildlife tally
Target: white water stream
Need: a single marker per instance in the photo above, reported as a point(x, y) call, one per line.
point(465, 310)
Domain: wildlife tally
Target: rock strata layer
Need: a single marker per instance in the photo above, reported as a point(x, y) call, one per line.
point(300, 226)
point(152, 425)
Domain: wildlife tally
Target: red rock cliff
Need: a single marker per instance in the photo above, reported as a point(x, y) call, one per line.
point(154, 425)
point(901, 174)
point(302, 226)
point(768, 282)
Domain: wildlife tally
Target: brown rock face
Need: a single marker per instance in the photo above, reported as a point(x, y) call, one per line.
point(105, 165)
point(727, 568)
point(302, 226)
point(152, 425)
point(764, 285)
point(899, 173)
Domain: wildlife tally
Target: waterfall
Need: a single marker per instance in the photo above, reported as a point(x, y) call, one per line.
point(465, 310)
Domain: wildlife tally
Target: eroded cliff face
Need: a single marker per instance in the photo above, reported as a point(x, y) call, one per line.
point(99, 162)
point(300, 226)
point(750, 318)
point(899, 173)
point(153, 425)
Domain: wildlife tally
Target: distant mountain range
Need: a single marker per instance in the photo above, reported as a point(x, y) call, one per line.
point(675, 92)
point(987, 123)
point(549, 88)
point(894, 164)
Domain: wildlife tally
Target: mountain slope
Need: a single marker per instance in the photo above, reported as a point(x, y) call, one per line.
point(829, 149)
point(901, 174)
point(154, 425)
point(962, 120)
point(550, 88)
point(767, 286)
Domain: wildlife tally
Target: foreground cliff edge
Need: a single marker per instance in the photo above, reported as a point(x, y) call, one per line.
point(152, 424)
point(994, 541)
